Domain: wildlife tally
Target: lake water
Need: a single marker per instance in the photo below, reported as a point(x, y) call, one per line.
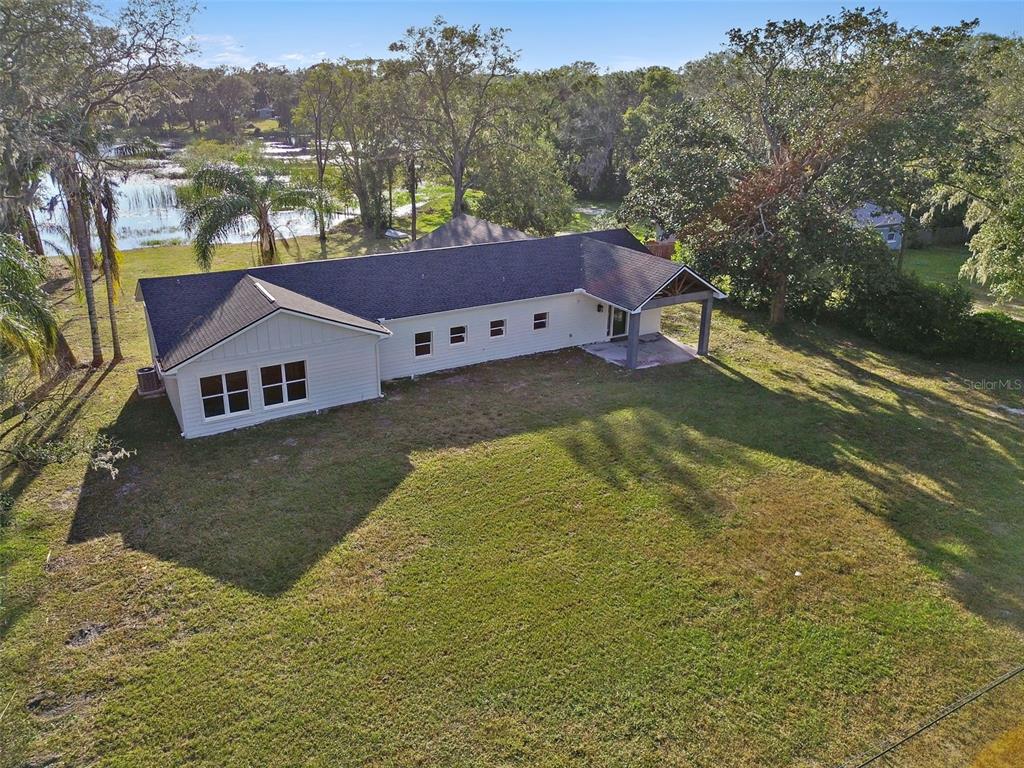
point(149, 214)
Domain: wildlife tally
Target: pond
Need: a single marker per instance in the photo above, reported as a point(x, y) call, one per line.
point(149, 213)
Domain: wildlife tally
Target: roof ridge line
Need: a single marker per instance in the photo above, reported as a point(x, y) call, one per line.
point(248, 270)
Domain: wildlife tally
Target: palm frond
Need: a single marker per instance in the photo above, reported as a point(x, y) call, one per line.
point(209, 221)
point(295, 197)
point(27, 322)
point(109, 212)
point(214, 178)
point(282, 238)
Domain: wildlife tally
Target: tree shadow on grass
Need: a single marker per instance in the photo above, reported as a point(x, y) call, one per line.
point(258, 508)
point(947, 461)
point(57, 405)
point(949, 478)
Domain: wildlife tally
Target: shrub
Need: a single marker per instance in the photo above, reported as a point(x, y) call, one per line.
point(993, 336)
point(906, 314)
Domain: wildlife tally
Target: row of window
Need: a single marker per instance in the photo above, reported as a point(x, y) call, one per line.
point(227, 393)
point(423, 342)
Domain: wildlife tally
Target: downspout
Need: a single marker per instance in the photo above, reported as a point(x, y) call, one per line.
point(376, 359)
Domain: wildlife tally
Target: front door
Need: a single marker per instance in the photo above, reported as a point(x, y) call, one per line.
point(619, 323)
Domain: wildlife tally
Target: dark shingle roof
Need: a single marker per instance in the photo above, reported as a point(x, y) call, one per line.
point(246, 302)
point(189, 313)
point(466, 230)
point(871, 214)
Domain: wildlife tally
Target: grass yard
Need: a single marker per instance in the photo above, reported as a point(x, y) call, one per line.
point(545, 561)
point(941, 264)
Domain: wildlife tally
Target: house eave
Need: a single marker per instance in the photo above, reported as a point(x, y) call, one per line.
point(279, 310)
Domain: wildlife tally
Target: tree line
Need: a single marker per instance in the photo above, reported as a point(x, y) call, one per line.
point(795, 123)
point(751, 157)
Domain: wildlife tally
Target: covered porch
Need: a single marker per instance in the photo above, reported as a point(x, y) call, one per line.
point(685, 288)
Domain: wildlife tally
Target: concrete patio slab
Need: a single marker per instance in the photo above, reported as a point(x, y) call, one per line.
point(655, 349)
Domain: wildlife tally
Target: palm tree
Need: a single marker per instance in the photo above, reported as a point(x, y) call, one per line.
point(73, 184)
point(105, 210)
point(27, 322)
point(223, 198)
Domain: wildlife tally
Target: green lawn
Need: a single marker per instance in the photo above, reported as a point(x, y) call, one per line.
point(941, 264)
point(545, 561)
point(270, 124)
point(589, 215)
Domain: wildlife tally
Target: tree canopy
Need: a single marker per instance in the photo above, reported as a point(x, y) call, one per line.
point(810, 119)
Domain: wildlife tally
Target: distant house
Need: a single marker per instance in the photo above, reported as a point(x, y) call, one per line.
point(466, 230)
point(241, 347)
point(888, 223)
point(264, 113)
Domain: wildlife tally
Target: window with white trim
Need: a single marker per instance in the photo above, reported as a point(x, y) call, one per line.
point(457, 334)
point(224, 393)
point(423, 343)
point(284, 383)
point(497, 328)
point(890, 236)
point(540, 321)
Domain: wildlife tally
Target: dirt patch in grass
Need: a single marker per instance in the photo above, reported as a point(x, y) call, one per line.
point(83, 636)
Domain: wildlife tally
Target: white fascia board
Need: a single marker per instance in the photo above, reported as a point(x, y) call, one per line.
point(265, 318)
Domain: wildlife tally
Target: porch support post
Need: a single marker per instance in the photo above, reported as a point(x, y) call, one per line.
point(705, 326)
point(633, 342)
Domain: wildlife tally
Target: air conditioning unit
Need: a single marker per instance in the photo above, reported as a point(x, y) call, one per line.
point(150, 383)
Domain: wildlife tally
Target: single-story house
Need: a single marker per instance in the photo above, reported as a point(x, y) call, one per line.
point(241, 347)
point(889, 224)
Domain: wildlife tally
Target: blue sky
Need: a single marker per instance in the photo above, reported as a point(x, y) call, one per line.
point(615, 35)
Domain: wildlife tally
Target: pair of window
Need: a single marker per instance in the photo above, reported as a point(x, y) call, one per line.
point(423, 342)
point(227, 393)
point(540, 322)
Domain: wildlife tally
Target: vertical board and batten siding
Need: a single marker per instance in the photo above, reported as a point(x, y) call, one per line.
point(341, 367)
point(573, 320)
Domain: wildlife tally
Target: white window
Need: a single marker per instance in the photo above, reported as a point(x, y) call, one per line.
point(457, 334)
point(540, 321)
point(285, 383)
point(422, 343)
point(890, 236)
point(497, 328)
point(224, 393)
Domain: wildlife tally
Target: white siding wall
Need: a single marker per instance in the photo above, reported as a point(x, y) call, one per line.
point(650, 321)
point(171, 387)
point(573, 320)
point(341, 367)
